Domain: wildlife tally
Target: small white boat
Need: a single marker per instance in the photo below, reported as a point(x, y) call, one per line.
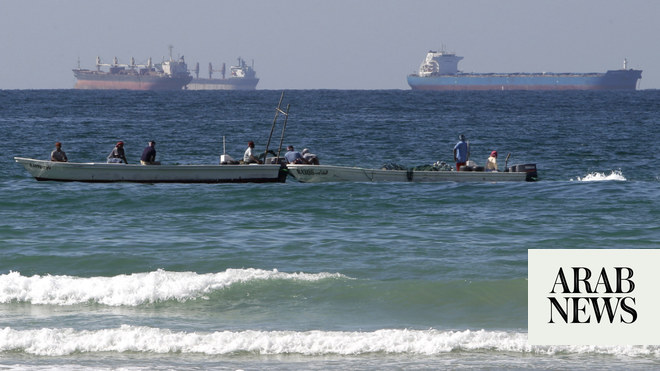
point(330, 173)
point(104, 173)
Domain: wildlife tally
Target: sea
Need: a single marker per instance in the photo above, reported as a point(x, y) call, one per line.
point(325, 276)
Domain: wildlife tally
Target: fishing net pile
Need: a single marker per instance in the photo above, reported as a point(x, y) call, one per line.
point(437, 166)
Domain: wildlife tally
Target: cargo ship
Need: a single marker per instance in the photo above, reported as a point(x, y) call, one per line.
point(439, 71)
point(241, 77)
point(168, 75)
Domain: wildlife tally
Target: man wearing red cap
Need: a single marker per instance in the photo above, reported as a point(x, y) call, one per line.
point(58, 155)
point(117, 156)
point(491, 164)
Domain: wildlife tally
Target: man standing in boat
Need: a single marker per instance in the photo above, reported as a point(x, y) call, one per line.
point(149, 155)
point(58, 155)
point(117, 156)
point(461, 152)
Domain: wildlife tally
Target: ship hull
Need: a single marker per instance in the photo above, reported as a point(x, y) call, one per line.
point(223, 84)
point(93, 80)
point(611, 80)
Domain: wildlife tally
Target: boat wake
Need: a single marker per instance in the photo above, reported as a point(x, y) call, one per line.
point(597, 177)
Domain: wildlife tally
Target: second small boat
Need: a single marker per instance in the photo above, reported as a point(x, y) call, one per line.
point(331, 173)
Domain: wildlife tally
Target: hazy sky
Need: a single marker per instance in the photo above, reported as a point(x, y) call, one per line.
point(331, 44)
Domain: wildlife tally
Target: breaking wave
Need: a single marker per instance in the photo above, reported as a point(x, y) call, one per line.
point(59, 342)
point(596, 177)
point(134, 289)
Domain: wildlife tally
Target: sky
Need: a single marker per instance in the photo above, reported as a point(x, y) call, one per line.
point(329, 44)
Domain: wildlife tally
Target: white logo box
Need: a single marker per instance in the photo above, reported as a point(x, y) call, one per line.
point(628, 280)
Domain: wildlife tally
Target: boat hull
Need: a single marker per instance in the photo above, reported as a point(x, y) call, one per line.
point(245, 83)
point(330, 173)
point(611, 80)
point(107, 173)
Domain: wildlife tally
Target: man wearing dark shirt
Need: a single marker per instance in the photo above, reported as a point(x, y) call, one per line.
point(149, 155)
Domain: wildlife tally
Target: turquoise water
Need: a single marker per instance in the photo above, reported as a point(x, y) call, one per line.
point(312, 276)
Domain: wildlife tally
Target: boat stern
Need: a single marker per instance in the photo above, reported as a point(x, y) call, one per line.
point(529, 169)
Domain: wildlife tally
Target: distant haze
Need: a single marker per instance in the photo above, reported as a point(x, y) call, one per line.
point(329, 44)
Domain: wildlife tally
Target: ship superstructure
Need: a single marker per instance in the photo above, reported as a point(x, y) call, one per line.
point(241, 77)
point(439, 71)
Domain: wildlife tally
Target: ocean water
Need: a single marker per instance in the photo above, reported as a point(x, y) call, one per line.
point(313, 276)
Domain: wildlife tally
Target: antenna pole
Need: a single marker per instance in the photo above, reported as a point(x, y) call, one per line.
point(286, 118)
point(278, 110)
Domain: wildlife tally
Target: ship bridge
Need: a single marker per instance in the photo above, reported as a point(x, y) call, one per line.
point(439, 63)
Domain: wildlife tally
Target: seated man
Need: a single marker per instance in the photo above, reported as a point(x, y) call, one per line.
point(118, 155)
point(310, 158)
point(149, 155)
point(491, 163)
point(58, 155)
point(293, 157)
point(248, 156)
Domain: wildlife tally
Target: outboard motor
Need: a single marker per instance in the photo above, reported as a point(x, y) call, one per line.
point(530, 169)
point(283, 173)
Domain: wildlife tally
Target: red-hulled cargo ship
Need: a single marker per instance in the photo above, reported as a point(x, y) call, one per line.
point(168, 75)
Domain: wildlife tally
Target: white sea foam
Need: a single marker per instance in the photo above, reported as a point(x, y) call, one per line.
point(134, 289)
point(596, 177)
point(58, 342)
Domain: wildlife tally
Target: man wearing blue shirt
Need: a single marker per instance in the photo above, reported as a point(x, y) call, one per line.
point(461, 152)
point(293, 157)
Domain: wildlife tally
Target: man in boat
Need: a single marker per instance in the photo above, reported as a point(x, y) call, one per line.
point(248, 156)
point(491, 163)
point(294, 157)
point(58, 155)
point(461, 152)
point(149, 155)
point(117, 156)
point(310, 158)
